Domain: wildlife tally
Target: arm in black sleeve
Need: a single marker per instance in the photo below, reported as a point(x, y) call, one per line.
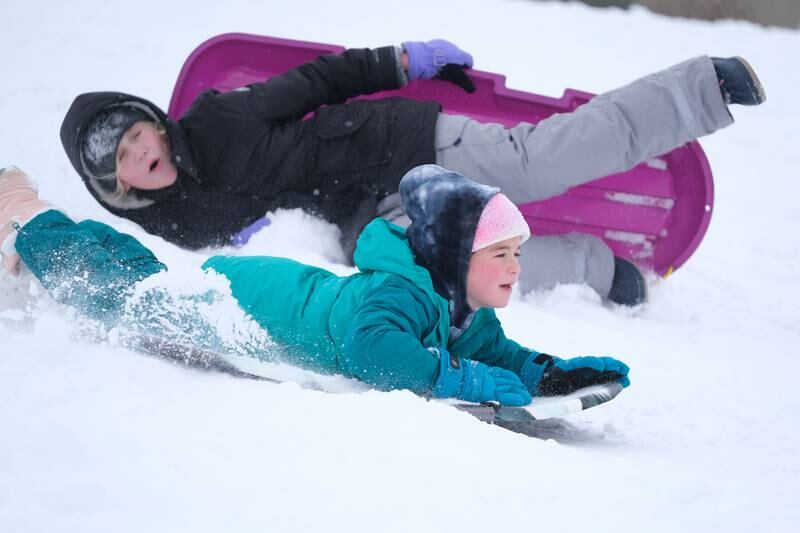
point(329, 79)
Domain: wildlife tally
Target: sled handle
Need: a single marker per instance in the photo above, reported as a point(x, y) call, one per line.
point(580, 401)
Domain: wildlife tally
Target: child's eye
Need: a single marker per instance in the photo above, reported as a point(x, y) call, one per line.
point(136, 135)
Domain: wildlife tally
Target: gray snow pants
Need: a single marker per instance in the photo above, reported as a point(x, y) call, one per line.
point(612, 133)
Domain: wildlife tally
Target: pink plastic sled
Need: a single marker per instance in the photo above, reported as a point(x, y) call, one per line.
point(655, 214)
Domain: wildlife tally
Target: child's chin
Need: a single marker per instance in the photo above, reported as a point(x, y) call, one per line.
point(501, 302)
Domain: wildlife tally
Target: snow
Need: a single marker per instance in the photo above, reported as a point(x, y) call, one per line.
point(97, 438)
point(640, 199)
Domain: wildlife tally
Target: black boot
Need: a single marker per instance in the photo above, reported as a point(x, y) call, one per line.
point(628, 286)
point(738, 81)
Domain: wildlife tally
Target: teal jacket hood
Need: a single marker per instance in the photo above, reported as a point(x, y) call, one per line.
point(383, 247)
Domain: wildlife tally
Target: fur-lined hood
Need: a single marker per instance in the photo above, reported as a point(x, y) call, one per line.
point(73, 134)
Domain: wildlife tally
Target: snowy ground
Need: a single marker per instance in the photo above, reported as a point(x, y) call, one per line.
point(94, 438)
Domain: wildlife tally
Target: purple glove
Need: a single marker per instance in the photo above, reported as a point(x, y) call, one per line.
point(241, 238)
point(426, 59)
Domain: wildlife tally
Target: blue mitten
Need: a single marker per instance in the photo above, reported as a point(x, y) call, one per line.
point(545, 375)
point(476, 382)
point(425, 60)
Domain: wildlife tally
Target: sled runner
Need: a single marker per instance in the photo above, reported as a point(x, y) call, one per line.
point(655, 214)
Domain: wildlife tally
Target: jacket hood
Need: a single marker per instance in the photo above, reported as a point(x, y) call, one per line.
point(444, 208)
point(73, 134)
point(383, 247)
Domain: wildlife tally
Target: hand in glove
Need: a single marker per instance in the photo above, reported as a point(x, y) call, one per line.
point(455, 74)
point(545, 375)
point(476, 382)
point(19, 203)
point(438, 59)
point(246, 233)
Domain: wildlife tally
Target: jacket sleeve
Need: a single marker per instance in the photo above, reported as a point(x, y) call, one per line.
point(88, 265)
point(329, 79)
point(384, 344)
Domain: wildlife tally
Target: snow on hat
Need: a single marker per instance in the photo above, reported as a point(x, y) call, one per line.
point(500, 220)
point(103, 134)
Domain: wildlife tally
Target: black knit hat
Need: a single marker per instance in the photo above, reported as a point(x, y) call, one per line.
point(102, 135)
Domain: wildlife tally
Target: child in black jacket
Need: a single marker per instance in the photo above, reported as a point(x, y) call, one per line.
point(232, 157)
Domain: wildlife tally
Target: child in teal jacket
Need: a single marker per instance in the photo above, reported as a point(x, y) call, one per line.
point(419, 314)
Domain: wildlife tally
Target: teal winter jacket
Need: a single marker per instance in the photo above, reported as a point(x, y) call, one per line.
point(381, 325)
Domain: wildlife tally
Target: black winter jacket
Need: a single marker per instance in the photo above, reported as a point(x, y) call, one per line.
point(246, 152)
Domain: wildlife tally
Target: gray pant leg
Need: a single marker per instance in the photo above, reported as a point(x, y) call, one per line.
point(569, 258)
point(391, 209)
point(612, 133)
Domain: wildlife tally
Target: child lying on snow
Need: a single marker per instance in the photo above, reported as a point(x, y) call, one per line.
point(418, 316)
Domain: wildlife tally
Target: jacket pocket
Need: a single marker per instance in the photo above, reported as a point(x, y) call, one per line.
point(352, 138)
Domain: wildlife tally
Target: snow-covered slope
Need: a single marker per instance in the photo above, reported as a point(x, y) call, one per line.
point(96, 438)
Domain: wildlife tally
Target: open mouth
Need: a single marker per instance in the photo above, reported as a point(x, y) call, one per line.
point(153, 165)
point(506, 286)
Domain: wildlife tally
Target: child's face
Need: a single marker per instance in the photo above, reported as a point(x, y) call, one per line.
point(143, 159)
point(492, 273)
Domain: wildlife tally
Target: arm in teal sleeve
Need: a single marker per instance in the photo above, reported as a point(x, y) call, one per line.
point(542, 374)
point(486, 342)
point(384, 344)
point(505, 353)
point(88, 265)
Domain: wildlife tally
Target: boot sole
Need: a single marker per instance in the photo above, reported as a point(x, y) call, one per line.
point(756, 82)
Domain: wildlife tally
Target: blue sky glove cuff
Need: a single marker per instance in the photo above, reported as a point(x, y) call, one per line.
point(451, 376)
point(534, 368)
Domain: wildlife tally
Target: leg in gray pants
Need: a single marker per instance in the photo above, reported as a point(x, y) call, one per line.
point(612, 133)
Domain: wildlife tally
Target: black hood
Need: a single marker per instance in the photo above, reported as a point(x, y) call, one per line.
point(444, 208)
point(73, 133)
